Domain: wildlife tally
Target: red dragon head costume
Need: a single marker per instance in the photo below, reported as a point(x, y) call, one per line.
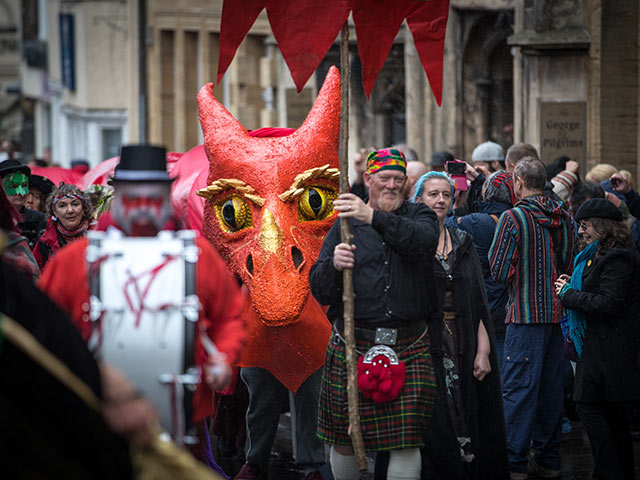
point(269, 204)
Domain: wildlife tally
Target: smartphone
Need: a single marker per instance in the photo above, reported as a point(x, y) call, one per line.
point(456, 171)
point(456, 167)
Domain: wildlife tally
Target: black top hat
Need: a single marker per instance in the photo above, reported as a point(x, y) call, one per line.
point(142, 163)
point(9, 166)
point(598, 208)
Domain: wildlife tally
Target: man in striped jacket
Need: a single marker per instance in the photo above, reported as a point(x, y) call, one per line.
point(533, 245)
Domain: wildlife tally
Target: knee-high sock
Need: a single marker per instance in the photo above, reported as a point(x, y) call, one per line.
point(343, 467)
point(404, 464)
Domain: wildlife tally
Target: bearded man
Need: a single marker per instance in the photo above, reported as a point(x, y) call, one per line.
point(394, 241)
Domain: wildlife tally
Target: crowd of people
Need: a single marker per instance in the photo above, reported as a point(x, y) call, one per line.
point(546, 273)
point(476, 284)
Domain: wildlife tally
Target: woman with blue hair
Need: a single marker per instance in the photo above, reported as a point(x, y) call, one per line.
point(466, 437)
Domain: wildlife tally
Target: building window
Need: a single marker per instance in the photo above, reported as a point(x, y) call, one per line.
point(111, 142)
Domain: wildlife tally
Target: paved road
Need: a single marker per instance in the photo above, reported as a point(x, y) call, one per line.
point(576, 456)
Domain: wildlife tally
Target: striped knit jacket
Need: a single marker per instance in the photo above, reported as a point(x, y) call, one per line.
point(533, 244)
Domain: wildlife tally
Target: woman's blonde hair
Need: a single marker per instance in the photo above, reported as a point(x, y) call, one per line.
point(600, 173)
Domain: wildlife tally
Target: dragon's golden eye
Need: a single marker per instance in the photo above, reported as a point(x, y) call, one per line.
point(233, 213)
point(316, 203)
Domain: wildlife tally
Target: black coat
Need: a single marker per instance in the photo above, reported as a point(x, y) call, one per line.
point(609, 370)
point(32, 225)
point(391, 273)
point(46, 431)
point(483, 400)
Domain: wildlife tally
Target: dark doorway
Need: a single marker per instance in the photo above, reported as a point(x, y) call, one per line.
point(487, 75)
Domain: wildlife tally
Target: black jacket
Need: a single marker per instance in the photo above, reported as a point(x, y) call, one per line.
point(32, 225)
point(482, 400)
point(390, 276)
point(46, 431)
point(609, 369)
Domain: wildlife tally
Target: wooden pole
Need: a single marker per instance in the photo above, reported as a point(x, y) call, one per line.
point(347, 274)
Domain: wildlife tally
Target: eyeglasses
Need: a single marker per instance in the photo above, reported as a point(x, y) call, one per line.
point(583, 225)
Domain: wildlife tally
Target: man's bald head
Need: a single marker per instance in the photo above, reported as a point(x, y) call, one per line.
point(517, 152)
point(414, 171)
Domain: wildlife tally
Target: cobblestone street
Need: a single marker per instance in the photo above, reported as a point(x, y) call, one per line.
point(576, 456)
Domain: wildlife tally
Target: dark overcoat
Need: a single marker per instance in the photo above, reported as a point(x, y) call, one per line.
point(609, 370)
point(46, 431)
point(482, 400)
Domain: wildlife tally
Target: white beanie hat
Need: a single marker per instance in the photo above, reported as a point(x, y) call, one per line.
point(487, 152)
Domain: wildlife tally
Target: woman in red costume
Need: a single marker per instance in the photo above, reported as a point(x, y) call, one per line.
point(70, 214)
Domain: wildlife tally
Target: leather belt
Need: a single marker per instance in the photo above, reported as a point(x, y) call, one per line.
point(391, 335)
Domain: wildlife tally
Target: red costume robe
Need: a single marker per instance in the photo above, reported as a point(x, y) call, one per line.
point(65, 280)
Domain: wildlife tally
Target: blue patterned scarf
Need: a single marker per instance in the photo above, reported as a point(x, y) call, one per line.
point(576, 322)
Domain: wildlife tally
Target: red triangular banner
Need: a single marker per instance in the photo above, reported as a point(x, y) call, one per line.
point(305, 31)
point(377, 24)
point(237, 18)
point(428, 24)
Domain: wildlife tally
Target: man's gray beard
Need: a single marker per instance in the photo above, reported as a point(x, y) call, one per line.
point(388, 206)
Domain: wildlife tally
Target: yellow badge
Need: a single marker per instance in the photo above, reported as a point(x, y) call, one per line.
point(589, 263)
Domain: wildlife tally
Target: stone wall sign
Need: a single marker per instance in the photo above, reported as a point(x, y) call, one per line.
point(563, 131)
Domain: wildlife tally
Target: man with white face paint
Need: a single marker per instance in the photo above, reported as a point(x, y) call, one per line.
point(141, 208)
point(141, 204)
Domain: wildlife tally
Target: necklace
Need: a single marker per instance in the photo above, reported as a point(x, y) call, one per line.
point(443, 254)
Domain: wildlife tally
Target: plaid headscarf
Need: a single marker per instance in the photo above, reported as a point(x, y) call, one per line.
point(386, 159)
point(499, 188)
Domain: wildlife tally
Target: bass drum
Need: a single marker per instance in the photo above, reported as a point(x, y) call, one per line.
point(144, 311)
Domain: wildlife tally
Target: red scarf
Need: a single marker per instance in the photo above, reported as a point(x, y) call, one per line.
point(71, 235)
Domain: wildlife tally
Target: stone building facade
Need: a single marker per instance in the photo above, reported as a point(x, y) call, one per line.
point(83, 97)
point(560, 74)
point(10, 111)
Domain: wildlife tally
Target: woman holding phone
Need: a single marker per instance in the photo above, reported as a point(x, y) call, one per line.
point(604, 324)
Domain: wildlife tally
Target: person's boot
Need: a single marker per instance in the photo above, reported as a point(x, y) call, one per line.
point(538, 471)
point(249, 471)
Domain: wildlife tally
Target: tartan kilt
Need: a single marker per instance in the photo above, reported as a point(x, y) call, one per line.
point(393, 425)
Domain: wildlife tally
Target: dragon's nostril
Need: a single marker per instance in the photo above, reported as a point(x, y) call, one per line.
point(250, 264)
point(298, 258)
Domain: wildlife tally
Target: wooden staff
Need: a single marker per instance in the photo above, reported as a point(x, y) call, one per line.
point(347, 274)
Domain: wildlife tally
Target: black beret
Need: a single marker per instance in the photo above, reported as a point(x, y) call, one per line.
point(41, 183)
point(598, 208)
